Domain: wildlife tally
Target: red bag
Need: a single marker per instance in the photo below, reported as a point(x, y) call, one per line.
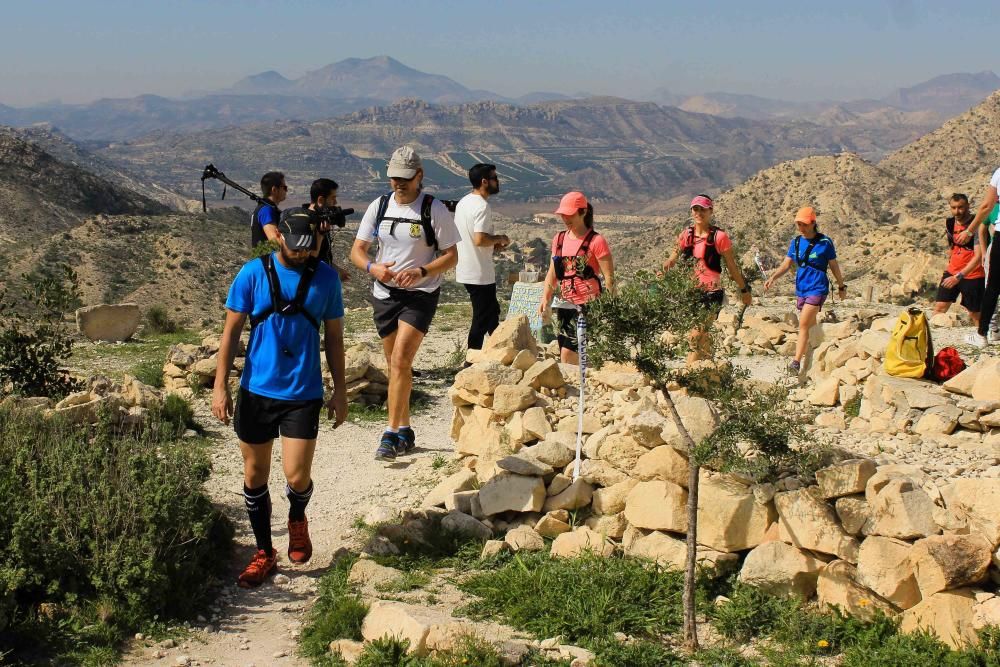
point(947, 364)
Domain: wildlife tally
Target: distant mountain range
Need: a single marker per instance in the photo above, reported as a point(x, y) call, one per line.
point(931, 102)
point(354, 84)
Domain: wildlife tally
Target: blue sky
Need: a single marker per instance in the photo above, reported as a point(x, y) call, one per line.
point(79, 51)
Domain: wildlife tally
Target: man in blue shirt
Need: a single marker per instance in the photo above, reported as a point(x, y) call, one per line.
point(264, 219)
point(288, 297)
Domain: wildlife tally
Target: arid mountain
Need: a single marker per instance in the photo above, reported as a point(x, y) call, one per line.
point(959, 156)
point(614, 149)
point(948, 95)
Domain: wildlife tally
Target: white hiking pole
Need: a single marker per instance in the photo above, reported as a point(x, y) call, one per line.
point(581, 346)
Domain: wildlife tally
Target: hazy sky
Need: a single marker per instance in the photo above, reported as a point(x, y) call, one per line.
point(79, 51)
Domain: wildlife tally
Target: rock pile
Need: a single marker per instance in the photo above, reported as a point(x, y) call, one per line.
point(130, 400)
point(189, 367)
point(860, 536)
point(107, 322)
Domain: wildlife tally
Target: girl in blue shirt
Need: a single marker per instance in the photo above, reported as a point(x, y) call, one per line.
point(812, 252)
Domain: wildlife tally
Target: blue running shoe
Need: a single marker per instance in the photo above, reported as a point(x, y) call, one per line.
point(388, 447)
point(407, 440)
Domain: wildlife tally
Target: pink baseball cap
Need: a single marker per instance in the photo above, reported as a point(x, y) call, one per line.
point(571, 203)
point(702, 200)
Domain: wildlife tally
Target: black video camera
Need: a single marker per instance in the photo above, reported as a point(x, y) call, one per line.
point(333, 216)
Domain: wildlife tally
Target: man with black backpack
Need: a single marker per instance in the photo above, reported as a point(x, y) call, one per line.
point(416, 244)
point(264, 219)
point(964, 274)
point(288, 296)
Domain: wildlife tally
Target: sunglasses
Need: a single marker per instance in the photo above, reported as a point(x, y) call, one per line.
point(282, 187)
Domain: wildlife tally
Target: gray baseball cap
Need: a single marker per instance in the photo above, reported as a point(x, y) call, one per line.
point(404, 163)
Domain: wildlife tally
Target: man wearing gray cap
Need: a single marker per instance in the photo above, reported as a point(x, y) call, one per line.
point(416, 244)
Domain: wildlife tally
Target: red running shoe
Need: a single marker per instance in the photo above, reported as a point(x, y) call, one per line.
point(300, 548)
point(260, 568)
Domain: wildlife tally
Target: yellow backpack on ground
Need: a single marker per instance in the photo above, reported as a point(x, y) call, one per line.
point(910, 353)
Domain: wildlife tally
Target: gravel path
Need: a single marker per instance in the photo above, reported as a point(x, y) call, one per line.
point(260, 627)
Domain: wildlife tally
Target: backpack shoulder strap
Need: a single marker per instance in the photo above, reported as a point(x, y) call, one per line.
point(949, 226)
point(585, 246)
point(303, 290)
point(425, 220)
point(559, 243)
point(273, 286)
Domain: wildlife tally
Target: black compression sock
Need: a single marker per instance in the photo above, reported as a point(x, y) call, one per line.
point(297, 501)
point(258, 502)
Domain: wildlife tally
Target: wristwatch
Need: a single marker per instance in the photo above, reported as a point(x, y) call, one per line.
point(423, 271)
point(745, 289)
point(842, 286)
point(960, 275)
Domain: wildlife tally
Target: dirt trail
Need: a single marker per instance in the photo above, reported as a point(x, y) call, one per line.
point(260, 627)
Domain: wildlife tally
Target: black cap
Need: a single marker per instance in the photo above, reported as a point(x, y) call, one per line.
point(298, 227)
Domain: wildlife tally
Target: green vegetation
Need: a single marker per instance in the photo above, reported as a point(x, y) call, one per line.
point(105, 530)
point(34, 340)
point(143, 357)
point(337, 614)
point(853, 407)
point(149, 372)
point(158, 321)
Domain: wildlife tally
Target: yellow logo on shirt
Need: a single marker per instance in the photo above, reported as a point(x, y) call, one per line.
point(415, 230)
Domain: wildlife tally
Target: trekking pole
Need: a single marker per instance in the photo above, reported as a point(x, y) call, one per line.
point(581, 346)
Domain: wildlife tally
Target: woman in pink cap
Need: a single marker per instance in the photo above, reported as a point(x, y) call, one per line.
point(581, 269)
point(709, 246)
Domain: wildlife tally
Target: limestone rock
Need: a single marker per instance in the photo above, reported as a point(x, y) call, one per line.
point(978, 502)
point(979, 374)
point(669, 551)
point(366, 572)
point(403, 621)
point(107, 322)
point(524, 538)
point(524, 464)
point(884, 566)
point(617, 379)
point(571, 423)
point(552, 526)
point(729, 517)
point(523, 360)
point(698, 417)
point(657, 505)
point(622, 451)
point(837, 586)
point(853, 513)
point(535, 424)
point(664, 463)
point(348, 649)
point(579, 541)
point(465, 525)
point(555, 451)
point(578, 495)
point(483, 378)
point(827, 392)
point(493, 548)
point(943, 562)
point(845, 478)
point(601, 473)
point(545, 374)
point(593, 444)
point(511, 398)
point(510, 492)
point(646, 427)
point(463, 480)
point(558, 484)
point(808, 522)
point(781, 569)
point(514, 332)
point(611, 499)
point(609, 525)
point(903, 511)
point(948, 614)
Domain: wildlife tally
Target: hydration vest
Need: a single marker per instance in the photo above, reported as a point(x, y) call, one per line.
point(802, 261)
point(712, 258)
point(950, 231)
point(257, 235)
point(425, 218)
point(278, 304)
point(569, 269)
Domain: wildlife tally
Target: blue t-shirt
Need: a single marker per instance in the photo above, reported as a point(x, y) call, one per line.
point(283, 359)
point(267, 215)
point(811, 279)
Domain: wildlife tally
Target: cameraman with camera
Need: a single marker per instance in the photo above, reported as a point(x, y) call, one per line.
point(323, 201)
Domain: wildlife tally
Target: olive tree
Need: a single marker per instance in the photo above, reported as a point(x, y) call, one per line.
point(650, 323)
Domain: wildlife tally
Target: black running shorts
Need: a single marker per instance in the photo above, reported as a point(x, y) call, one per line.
point(713, 300)
point(971, 289)
point(566, 333)
point(259, 419)
point(415, 307)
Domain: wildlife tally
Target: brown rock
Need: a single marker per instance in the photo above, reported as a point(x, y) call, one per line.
point(514, 332)
point(611, 499)
point(836, 586)
point(781, 569)
point(903, 511)
point(845, 478)
point(511, 398)
point(884, 566)
point(524, 538)
point(509, 492)
point(949, 615)
point(550, 526)
point(853, 513)
point(943, 562)
point(729, 517)
point(657, 505)
point(579, 541)
point(106, 322)
point(545, 374)
point(622, 451)
point(808, 522)
point(664, 463)
point(535, 424)
point(978, 502)
point(578, 495)
point(463, 480)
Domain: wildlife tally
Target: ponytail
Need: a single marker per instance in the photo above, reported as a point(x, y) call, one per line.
point(588, 216)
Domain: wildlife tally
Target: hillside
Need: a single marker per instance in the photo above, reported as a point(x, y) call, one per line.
point(616, 150)
point(959, 156)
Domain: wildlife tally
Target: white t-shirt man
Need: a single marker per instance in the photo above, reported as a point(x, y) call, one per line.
point(407, 245)
point(475, 263)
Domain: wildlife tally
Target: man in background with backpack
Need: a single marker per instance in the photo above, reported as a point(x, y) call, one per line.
point(416, 244)
point(289, 297)
point(264, 219)
point(475, 270)
point(964, 274)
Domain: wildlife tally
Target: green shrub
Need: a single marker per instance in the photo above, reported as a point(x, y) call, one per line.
point(104, 529)
point(853, 407)
point(149, 372)
point(337, 614)
point(34, 340)
point(159, 321)
point(263, 248)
